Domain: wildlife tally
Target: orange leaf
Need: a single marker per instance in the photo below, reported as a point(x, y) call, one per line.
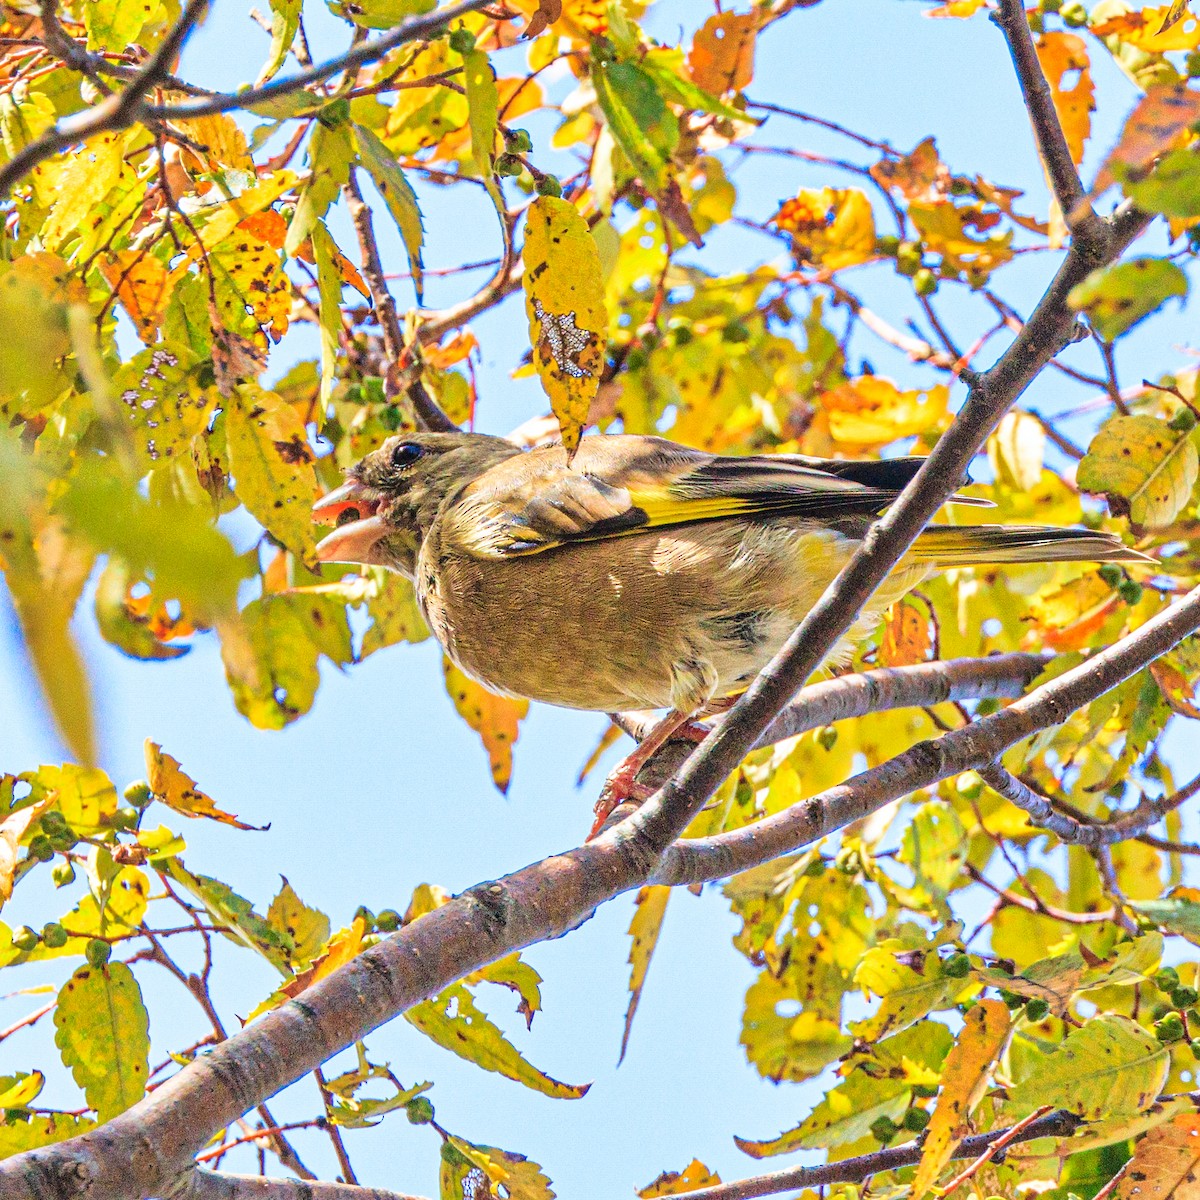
point(920, 175)
point(141, 284)
point(1065, 61)
point(548, 11)
point(1159, 121)
point(1164, 1162)
point(910, 635)
point(340, 949)
point(1155, 30)
point(722, 55)
point(268, 226)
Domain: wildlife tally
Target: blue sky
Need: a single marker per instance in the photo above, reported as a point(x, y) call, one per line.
point(382, 787)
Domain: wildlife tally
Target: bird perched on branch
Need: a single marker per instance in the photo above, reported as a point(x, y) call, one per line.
point(644, 574)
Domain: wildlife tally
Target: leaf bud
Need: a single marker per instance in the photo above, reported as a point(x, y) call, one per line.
point(916, 1119)
point(419, 1110)
point(40, 848)
point(388, 921)
point(462, 40)
point(883, 1130)
point(98, 952)
point(63, 873)
point(25, 938)
point(508, 165)
point(138, 793)
point(548, 185)
point(1130, 591)
point(518, 141)
point(925, 282)
point(1184, 421)
point(1169, 1029)
point(957, 966)
point(54, 935)
point(1038, 1009)
point(1184, 996)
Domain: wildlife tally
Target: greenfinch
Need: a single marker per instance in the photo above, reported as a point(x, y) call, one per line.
point(642, 574)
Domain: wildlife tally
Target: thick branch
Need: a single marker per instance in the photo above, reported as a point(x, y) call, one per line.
point(973, 747)
point(1047, 128)
point(217, 1185)
point(1046, 332)
point(856, 1170)
point(414, 29)
point(116, 112)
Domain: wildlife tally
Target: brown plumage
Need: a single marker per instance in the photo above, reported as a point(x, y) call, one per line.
point(645, 574)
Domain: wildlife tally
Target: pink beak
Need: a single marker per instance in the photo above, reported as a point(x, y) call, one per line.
point(354, 509)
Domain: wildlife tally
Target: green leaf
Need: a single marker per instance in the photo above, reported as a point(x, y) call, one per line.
point(1144, 467)
point(453, 1020)
point(379, 14)
point(669, 71)
point(330, 155)
point(103, 1033)
point(483, 101)
point(1110, 1065)
point(1172, 188)
point(287, 634)
point(1177, 913)
point(285, 24)
point(272, 467)
point(235, 914)
point(329, 295)
point(641, 123)
point(934, 847)
point(1116, 298)
point(400, 199)
point(20, 1133)
point(907, 993)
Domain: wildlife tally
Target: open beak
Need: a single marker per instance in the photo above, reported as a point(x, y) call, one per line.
point(354, 509)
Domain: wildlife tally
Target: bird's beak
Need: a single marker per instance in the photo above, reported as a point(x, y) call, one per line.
point(354, 509)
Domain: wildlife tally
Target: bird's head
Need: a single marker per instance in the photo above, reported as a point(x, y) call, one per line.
point(391, 497)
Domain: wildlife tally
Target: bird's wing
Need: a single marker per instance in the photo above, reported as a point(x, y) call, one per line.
point(620, 485)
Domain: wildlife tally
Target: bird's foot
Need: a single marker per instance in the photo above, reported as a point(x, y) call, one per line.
point(618, 791)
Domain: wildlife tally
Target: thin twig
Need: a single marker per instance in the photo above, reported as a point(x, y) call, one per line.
point(1006, 1139)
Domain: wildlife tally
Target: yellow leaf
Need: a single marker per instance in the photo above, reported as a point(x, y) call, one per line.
point(341, 948)
point(218, 142)
point(967, 1066)
point(164, 401)
point(1064, 56)
point(957, 8)
point(91, 172)
point(478, 1172)
point(568, 322)
point(1016, 450)
point(495, 718)
point(873, 411)
point(678, 1183)
point(831, 227)
point(651, 907)
point(1146, 469)
point(1154, 30)
point(12, 830)
point(178, 790)
point(722, 56)
point(272, 467)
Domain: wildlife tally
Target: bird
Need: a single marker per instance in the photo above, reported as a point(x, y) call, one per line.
point(639, 574)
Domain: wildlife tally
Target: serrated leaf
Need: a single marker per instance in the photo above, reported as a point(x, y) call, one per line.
point(908, 992)
point(1178, 913)
point(329, 295)
point(103, 1034)
point(177, 790)
point(1111, 1065)
point(453, 1020)
point(564, 300)
point(1116, 298)
point(678, 1183)
point(330, 153)
point(788, 1044)
point(1064, 59)
point(650, 908)
point(979, 1042)
point(306, 929)
point(495, 718)
point(1146, 469)
point(142, 286)
point(1165, 1163)
point(400, 199)
point(469, 1171)
point(21, 1133)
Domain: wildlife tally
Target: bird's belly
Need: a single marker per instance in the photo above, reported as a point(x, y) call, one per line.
point(653, 620)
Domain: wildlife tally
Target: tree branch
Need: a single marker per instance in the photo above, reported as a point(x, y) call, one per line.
point(202, 1184)
point(973, 747)
point(115, 112)
point(1047, 128)
point(856, 1170)
point(414, 29)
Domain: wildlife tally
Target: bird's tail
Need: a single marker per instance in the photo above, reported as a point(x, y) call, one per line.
point(967, 545)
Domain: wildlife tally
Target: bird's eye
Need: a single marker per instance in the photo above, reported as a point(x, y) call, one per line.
point(405, 454)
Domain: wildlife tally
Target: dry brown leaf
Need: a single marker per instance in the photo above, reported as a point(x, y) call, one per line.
point(722, 56)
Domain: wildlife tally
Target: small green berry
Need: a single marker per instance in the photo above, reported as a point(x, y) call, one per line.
point(1166, 979)
point(98, 952)
point(1038, 1009)
point(388, 921)
point(53, 822)
point(736, 332)
point(908, 258)
point(883, 1130)
point(26, 939)
point(1159, 1011)
point(925, 282)
point(518, 141)
point(419, 1110)
point(1130, 591)
point(1191, 64)
point(1111, 574)
point(368, 917)
point(1050, 6)
point(957, 966)
point(827, 737)
point(888, 245)
point(548, 185)
point(816, 868)
point(915, 1119)
point(1169, 1029)
point(462, 41)
point(54, 935)
point(1184, 996)
point(1011, 998)
point(1194, 1047)
point(40, 848)
point(508, 165)
point(138, 793)
point(1184, 421)
point(63, 873)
